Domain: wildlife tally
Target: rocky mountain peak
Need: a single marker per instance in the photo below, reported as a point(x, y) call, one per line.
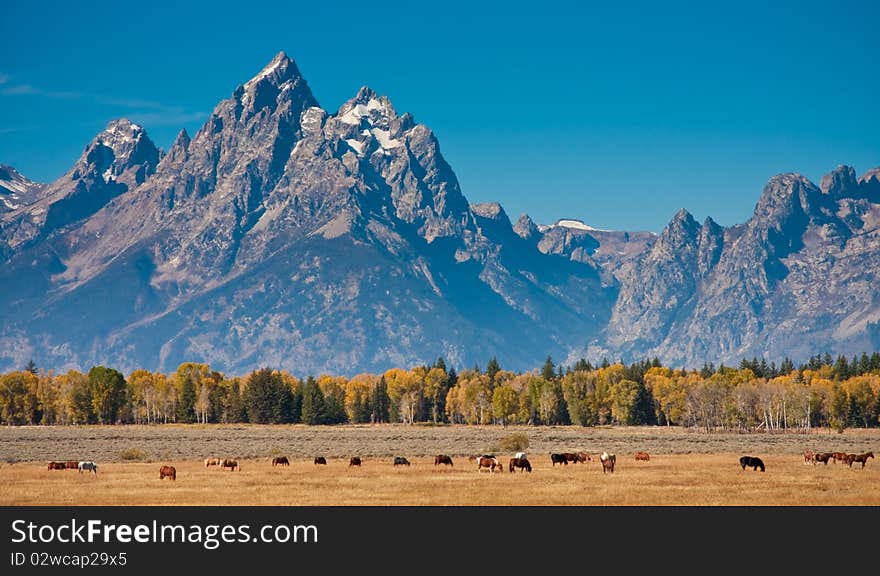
point(121, 146)
point(280, 70)
point(840, 182)
point(525, 227)
point(16, 190)
point(367, 110)
point(682, 230)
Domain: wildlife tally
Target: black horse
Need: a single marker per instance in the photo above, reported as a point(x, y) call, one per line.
point(521, 463)
point(753, 461)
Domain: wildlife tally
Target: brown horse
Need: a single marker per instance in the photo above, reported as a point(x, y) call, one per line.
point(212, 462)
point(642, 456)
point(355, 461)
point(583, 457)
point(320, 460)
point(822, 457)
point(521, 463)
point(442, 459)
point(863, 458)
point(71, 465)
point(608, 461)
point(280, 461)
point(838, 457)
point(490, 462)
point(809, 458)
point(228, 463)
point(57, 466)
point(167, 472)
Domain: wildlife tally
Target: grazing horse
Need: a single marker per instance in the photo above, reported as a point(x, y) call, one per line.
point(212, 462)
point(320, 460)
point(442, 459)
point(863, 458)
point(752, 461)
point(71, 465)
point(490, 462)
point(608, 461)
point(809, 457)
point(583, 457)
point(167, 472)
point(280, 461)
point(228, 463)
point(571, 457)
point(822, 457)
point(88, 466)
point(838, 457)
point(355, 461)
point(521, 463)
point(558, 459)
point(57, 466)
point(400, 461)
point(643, 456)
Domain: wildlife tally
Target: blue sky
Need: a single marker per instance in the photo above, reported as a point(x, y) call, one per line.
point(616, 113)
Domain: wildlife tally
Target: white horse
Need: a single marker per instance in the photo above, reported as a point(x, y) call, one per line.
point(88, 466)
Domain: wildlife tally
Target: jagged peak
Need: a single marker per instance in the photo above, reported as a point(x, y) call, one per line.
point(525, 227)
point(872, 174)
point(120, 131)
point(182, 139)
point(710, 224)
point(839, 181)
point(366, 104)
point(683, 216)
point(279, 70)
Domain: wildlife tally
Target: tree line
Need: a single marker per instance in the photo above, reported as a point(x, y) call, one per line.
point(822, 392)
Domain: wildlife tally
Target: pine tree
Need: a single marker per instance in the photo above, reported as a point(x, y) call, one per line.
point(31, 367)
point(186, 404)
point(492, 368)
point(313, 407)
point(548, 372)
point(380, 402)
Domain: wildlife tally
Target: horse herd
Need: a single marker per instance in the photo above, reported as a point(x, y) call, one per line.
point(488, 462)
point(824, 457)
point(82, 466)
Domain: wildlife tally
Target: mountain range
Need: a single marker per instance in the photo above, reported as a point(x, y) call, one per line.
point(285, 235)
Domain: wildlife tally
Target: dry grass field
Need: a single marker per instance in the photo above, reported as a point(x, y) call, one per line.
point(686, 468)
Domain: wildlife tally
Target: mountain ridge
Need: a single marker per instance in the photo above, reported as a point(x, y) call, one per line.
point(283, 234)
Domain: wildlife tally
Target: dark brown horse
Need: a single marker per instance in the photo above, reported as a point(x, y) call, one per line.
point(167, 472)
point(442, 459)
point(320, 460)
point(71, 465)
point(521, 463)
point(355, 461)
point(228, 463)
point(280, 461)
point(863, 458)
point(822, 457)
point(57, 466)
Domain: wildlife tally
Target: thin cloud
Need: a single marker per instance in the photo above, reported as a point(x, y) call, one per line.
point(166, 117)
point(28, 89)
point(130, 103)
point(147, 112)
